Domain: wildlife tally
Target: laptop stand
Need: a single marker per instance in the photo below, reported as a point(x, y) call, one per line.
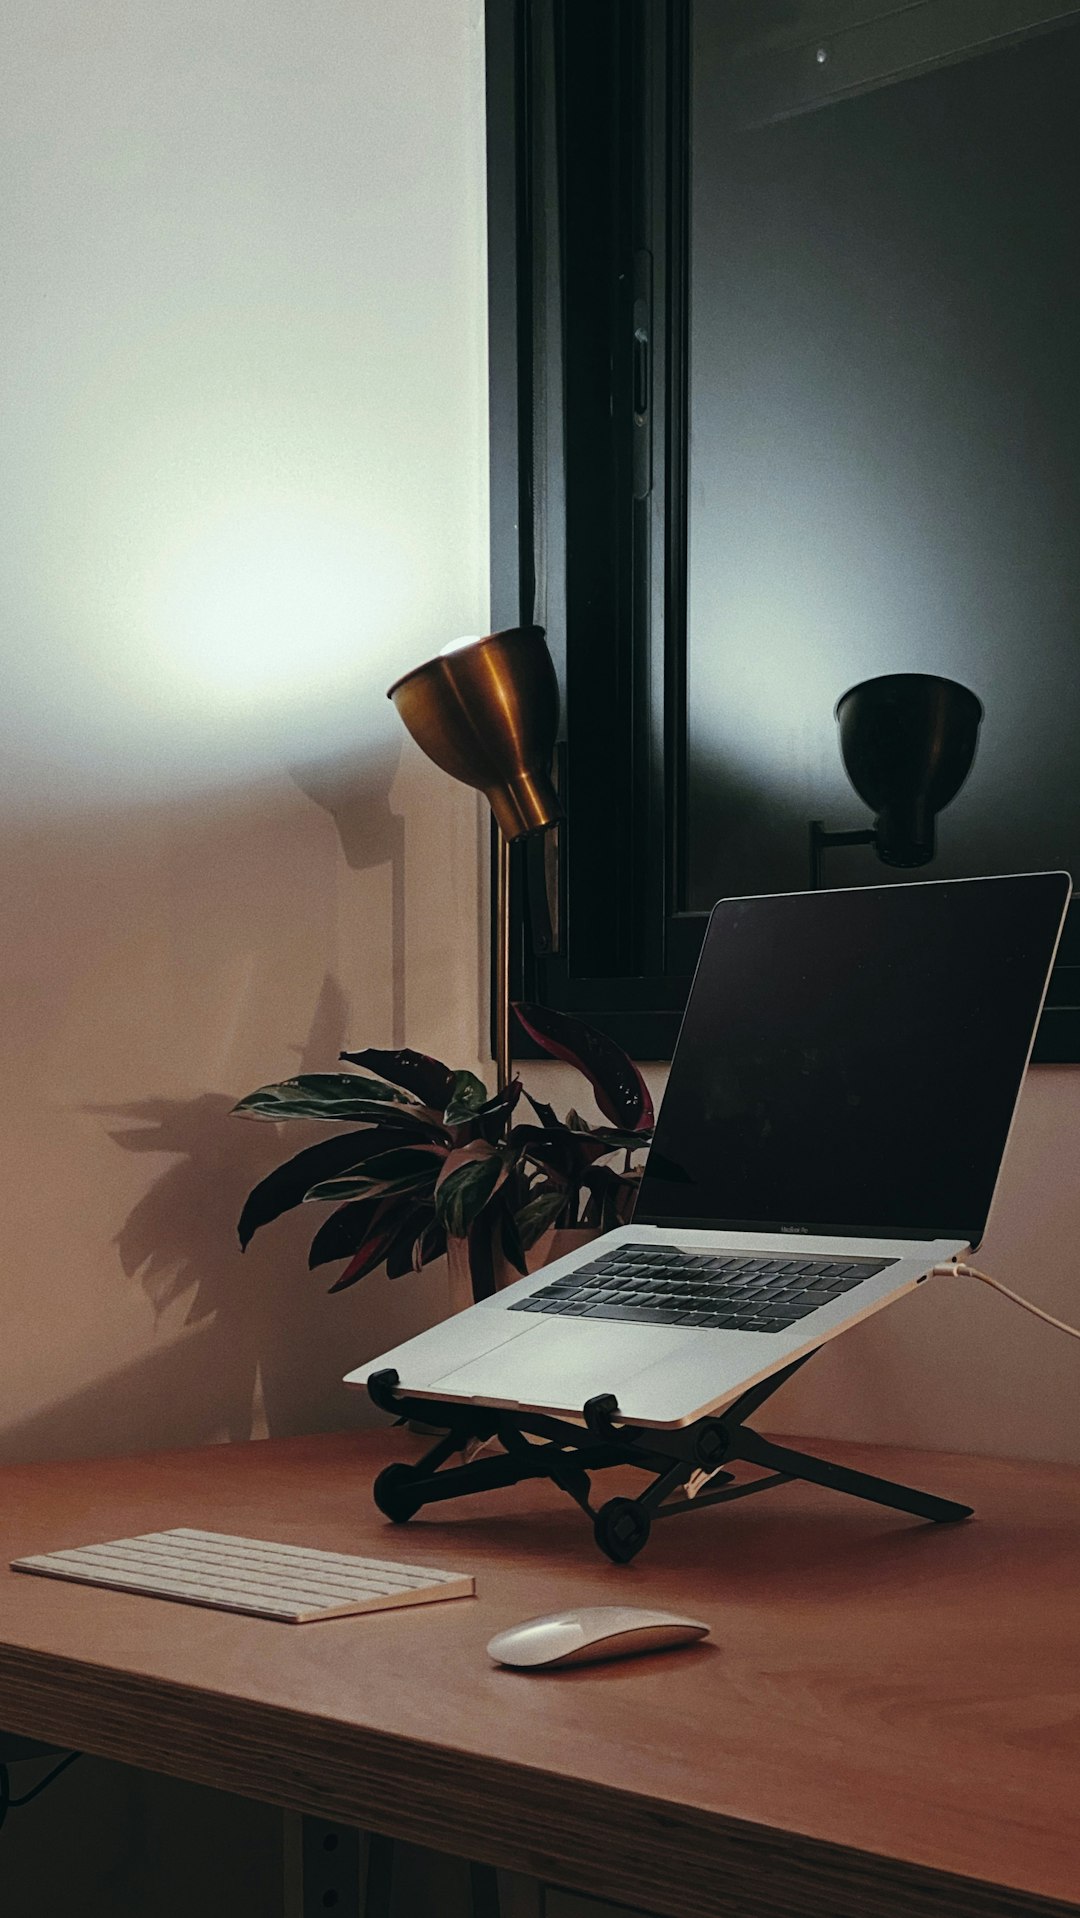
point(535, 1445)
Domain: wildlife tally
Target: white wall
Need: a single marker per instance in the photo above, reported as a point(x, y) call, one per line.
point(243, 388)
point(243, 411)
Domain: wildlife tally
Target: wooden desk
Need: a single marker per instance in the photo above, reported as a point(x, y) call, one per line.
point(887, 1722)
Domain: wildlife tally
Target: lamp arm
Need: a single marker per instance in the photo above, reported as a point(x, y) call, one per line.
point(820, 839)
point(502, 960)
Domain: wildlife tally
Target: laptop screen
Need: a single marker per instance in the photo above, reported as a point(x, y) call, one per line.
point(849, 1061)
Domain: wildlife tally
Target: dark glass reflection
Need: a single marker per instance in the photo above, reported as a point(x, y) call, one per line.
point(885, 459)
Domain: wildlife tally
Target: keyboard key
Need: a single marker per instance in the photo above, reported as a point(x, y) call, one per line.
point(636, 1314)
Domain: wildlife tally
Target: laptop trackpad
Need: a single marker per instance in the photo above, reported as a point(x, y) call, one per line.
point(564, 1362)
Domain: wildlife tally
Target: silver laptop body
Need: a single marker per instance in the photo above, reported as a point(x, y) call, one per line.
point(834, 1123)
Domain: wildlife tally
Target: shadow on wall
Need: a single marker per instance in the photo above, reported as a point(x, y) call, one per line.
point(355, 791)
point(200, 934)
point(261, 1349)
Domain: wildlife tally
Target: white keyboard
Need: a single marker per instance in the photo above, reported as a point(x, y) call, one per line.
point(286, 1582)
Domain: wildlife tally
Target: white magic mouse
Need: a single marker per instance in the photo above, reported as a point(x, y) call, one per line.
point(592, 1632)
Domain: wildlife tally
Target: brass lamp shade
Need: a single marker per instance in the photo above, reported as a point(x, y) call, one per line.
point(487, 712)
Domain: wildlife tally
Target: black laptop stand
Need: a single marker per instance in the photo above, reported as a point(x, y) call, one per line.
point(534, 1445)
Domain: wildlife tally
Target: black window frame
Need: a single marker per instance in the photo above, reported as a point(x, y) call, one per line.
point(588, 110)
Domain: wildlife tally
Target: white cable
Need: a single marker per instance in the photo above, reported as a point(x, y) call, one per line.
point(972, 1272)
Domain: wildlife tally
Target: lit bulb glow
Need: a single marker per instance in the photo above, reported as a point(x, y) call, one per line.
point(269, 606)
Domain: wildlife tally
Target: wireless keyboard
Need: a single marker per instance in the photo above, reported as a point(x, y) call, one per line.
point(289, 1582)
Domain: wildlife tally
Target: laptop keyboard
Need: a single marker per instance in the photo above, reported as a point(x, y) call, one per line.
point(731, 1292)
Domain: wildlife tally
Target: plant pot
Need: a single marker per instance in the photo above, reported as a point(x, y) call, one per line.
point(459, 1292)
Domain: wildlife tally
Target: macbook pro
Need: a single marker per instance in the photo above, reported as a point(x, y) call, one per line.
point(834, 1124)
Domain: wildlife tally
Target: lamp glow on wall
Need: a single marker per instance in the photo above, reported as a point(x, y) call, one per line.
point(908, 743)
point(486, 710)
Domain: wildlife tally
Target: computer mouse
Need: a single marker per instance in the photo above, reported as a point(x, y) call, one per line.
point(591, 1633)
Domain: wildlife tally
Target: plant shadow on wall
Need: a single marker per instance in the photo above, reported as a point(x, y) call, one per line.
point(434, 1161)
point(247, 1350)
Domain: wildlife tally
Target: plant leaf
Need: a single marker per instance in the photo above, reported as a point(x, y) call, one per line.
point(430, 1245)
point(540, 1210)
point(349, 1190)
point(380, 1237)
point(546, 1114)
point(621, 1092)
point(512, 1246)
point(468, 1096)
point(482, 1255)
point(406, 1168)
point(626, 1198)
point(476, 1151)
point(286, 1185)
point(464, 1188)
point(612, 1195)
point(615, 1141)
point(558, 1147)
point(400, 1235)
point(319, 1095)
point(410, 1118)
point(401, 1257)
point(491, 1117)
point(339, 1236)
point(428, 1078)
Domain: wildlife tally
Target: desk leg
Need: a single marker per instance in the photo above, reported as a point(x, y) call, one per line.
point(322, 1869)
point(379, 1880)
point(484, 1886)
point(331, 1868)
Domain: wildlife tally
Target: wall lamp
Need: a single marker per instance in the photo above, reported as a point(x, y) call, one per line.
point(908, 743)
point(486, 710)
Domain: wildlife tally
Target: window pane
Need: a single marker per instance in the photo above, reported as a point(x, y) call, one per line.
point(885, 455)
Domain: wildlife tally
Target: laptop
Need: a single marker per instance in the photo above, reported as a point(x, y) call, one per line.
point(834, 1123)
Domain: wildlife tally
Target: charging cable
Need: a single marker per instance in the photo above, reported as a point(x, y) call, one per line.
point(958, 1270)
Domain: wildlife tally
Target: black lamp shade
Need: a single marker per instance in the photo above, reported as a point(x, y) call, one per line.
point(908, 742)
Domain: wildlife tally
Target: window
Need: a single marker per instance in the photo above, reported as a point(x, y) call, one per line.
point(729, 421)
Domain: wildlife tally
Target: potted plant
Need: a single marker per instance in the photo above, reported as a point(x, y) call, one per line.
point(434, 1163)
